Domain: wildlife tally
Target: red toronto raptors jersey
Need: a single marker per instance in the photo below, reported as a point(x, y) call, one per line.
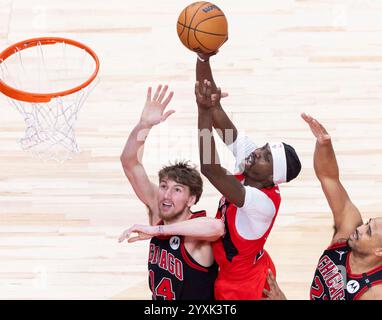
point(333, 279)
point(243, 264)
point(174, 274)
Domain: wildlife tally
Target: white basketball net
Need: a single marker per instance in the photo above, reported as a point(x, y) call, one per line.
point(50, 126)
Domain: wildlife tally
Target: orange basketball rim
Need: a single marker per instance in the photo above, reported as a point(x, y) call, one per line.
point(43, 97)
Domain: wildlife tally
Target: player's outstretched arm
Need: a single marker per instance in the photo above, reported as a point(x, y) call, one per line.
point(210, 166)
point(203, 228)
point(220, 120)
point(346, 215)
point(153, 113)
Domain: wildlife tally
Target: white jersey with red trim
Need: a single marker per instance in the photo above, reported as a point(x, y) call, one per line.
point(233, 246)
point(243, 262)
point(174, 274)
point(333, 279)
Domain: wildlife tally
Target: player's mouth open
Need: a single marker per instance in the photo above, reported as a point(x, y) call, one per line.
point(166, 205)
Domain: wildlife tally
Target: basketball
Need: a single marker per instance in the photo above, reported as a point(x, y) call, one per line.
point(202, 26)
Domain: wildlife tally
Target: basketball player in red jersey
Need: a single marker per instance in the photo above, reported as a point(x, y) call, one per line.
point(179, 267)
point(250, 199)
point(351, 267)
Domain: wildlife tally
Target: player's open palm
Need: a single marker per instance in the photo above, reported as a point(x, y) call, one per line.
point(154, 110)
point(317, 129)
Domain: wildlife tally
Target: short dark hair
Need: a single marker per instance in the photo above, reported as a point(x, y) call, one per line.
point(293, 162)
point(184, 173)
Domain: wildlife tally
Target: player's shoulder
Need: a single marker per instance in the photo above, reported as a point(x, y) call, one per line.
point(273, 192)
point(337, 244)
point(373, 293)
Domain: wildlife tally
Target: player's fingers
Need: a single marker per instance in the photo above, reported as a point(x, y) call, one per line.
point(312, 122)
point(307, 118)
point(271, 283)
point(317, 127)
point(271, 280)
point(314, 128)
point(204, 88)
point(133, 239)
point(323, 134)
point(168, 99)
point(124, 236)
point(149, 89)
point(199, 97)
point(224, 94)
point(162, 94)
point(266, 292)
point(197, 88)
point(209, 89)
point(198, 91)
point(167, 114)
point(322, 127)
point(156, 94)
point(221, 94)
point(215, 98)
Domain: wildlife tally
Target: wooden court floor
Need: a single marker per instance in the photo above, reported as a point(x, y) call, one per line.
point(59, 223)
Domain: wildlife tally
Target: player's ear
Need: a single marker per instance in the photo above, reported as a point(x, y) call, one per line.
point(378, 252)
point(191, 201)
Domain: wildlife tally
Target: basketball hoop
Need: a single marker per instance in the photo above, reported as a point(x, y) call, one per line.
point(35, 75)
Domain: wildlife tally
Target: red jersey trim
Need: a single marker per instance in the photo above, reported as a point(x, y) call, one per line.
point(198, 214)
point(238, 235)
point(357, 275)
point(183, 250)
point(337, 245)
point(376, 269)
point(240, 176)
point(188, 260)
